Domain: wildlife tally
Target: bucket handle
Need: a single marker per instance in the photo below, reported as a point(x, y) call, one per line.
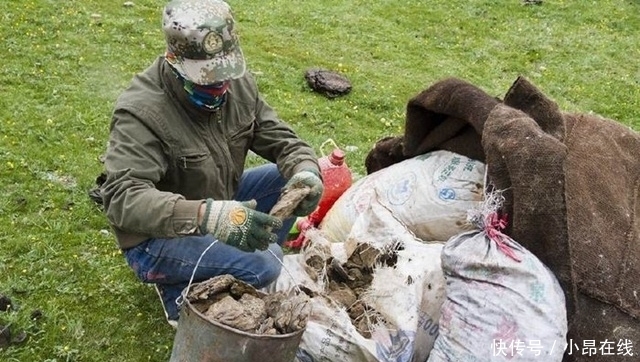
point(180, 299)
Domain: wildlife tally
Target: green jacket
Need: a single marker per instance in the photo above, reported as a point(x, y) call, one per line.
point(166, 156)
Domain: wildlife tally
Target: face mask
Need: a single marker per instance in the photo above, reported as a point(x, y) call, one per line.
point(210, 97)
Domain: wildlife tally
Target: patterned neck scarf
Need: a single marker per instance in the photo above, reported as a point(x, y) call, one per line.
point(209, 97)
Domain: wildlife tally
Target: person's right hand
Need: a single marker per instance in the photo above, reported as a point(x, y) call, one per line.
point(238, 224)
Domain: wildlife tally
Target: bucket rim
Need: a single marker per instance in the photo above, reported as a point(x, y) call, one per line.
point(192, 309)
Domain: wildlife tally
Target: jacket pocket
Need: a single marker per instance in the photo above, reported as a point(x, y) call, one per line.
point(196, 174)
point(193, 161)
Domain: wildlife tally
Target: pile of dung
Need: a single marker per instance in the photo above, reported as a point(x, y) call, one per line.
point(9, 334)
point(347, 283)
point(327, 82)
point(234, 303)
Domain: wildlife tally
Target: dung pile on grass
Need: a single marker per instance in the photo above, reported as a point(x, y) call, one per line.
point(8, 335)
point(234, 303)
point(347, 283)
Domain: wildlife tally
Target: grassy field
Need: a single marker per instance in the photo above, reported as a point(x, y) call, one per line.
point(66, 62)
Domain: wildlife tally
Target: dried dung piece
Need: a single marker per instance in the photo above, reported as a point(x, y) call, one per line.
point(237, 304)
point(36, 314)
point(239, 289)
point(203, 305)
point(356, 310)
point(346, 283)
point(356, 274)
point(246, 314)
point(231, 312)
point(253, 306)
point(292, 314)
point(272, 303)
point(337, 272)
point(314, 266)
point(266, 327)
point(288, 201)
point(363, 324)
point(345, 296)
point(5, 303)
point(316, 257)
point(209, 288)
point(329, 83)
point(364, 256)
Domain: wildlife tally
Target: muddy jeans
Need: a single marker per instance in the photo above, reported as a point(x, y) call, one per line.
point(169, 263)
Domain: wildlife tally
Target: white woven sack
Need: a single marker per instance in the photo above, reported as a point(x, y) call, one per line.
point(498, 308)
point(408, 295)
point(429, 194)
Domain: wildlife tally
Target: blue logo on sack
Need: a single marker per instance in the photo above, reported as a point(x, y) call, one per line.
point(400, 191)
point(447, 194)
point(399, 348)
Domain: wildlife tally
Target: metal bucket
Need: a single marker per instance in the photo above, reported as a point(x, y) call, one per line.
point(199, 339)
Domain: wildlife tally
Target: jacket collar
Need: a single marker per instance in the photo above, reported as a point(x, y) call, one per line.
point(176, 88)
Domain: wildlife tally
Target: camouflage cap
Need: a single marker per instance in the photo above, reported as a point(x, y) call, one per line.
point(202, 44)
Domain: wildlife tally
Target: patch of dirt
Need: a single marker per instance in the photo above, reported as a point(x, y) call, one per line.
point(234, 303)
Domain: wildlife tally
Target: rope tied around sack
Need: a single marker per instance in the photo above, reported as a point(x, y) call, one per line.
point(487, 218)
point(493, 226)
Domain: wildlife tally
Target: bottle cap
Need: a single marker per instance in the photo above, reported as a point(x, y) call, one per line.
point(337, 157)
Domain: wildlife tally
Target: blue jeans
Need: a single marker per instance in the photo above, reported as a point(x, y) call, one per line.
point(169, 263)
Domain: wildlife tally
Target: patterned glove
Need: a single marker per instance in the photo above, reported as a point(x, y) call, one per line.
point(310, 179)
point(238, 224)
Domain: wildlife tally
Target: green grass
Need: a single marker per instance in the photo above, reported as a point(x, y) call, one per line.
point(66, 62)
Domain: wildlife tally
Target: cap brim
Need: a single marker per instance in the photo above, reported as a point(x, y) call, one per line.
point(229, 66)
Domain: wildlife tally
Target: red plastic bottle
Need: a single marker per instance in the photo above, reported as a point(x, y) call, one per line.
point(336, 179)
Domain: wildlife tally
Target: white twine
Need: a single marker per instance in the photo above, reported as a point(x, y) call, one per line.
point(284, 267)
point(486, 217)
point(492, 202)
point(180, 300)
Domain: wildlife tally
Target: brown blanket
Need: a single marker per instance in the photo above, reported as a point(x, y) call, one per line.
point(573, 182)
point(449, 115)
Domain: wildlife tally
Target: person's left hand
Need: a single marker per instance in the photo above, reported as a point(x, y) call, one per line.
point(310, 179)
